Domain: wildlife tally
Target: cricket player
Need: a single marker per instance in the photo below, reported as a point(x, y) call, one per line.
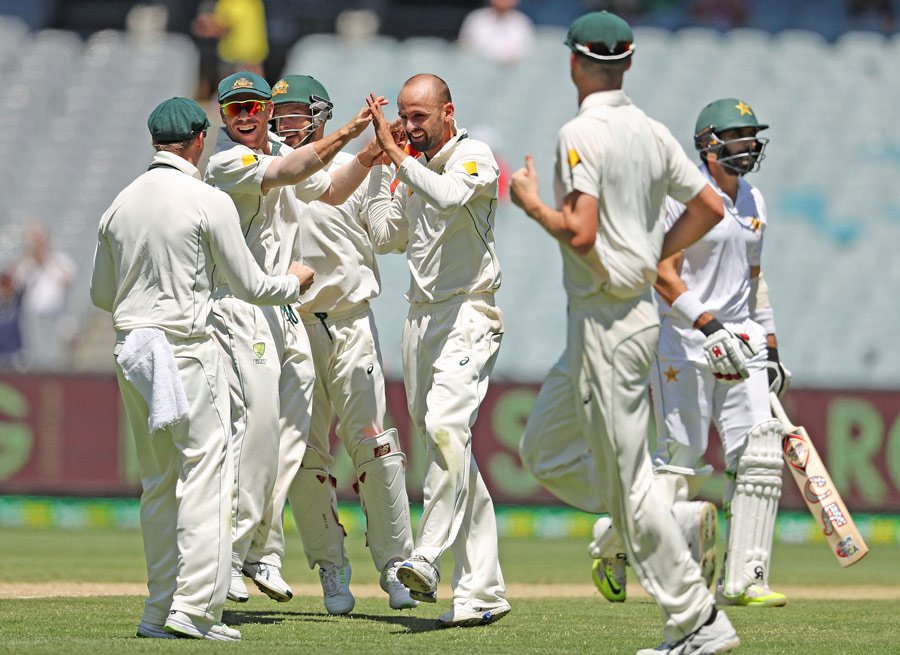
point(157, 246)
point(614, 168)
point(445, 202)
point(349, 382)
point(270, 352)
point(718, 283)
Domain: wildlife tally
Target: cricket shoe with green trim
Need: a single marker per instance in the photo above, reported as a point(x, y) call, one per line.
point(754, 596)
point(610, 560)
point(336, 592)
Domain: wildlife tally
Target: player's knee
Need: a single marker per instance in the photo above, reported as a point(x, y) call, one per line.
point(374, 447)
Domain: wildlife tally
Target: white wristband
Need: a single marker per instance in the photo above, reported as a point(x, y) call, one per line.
point(689, 306)
point(766, 319)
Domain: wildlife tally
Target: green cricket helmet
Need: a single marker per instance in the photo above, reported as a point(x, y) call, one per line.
point(305, 90)
point(741, 155)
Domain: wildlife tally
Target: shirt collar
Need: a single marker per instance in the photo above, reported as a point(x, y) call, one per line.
point(171, 160)
point(742, 186)
point(616, 98)
point(447, 148)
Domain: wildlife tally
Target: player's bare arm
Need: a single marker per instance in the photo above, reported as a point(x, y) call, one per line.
point(346, 179)
point(701, 214)
point(305, 161)
point(575, 225)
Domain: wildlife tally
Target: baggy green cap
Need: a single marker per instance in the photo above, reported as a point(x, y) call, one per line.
point(244, 82)
point(726, 114)
point(601, 35)
point(175, 120)
point(298, 88)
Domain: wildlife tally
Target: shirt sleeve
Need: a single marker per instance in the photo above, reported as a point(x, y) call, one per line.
point(384, 212)
point(313, 187)
point(231, 255)
point(685, 179)
point(573, 171)
point(238, 170)
point(103, 276)
point(468, 174)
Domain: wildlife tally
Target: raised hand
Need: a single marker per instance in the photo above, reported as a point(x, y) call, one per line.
point(523, 185)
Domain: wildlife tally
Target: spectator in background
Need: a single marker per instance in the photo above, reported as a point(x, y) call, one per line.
point(871, 14)
point(44, 276)
point(10, 331)
point(499, 32)
point(240, 27)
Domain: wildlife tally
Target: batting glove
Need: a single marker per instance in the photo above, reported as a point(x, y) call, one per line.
point(779, 376)
point(726, 352)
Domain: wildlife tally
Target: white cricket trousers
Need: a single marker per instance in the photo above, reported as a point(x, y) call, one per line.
point(187, 477)
point(606, 366)
point(245, 337)
point(449, 349)
point(295, 388)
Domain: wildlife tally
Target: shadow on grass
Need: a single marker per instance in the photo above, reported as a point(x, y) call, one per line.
point(410, 624)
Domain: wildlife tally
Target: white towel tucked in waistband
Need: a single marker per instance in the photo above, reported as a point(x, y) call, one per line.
point(148, 363)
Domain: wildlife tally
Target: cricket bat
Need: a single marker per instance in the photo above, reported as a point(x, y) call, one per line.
point(819, 492)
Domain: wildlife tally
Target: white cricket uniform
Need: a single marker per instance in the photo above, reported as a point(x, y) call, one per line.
point(270, 354)
point(686, 396)
point(450, 342)
point(585, 439)
point(157, 246)
point(349, 379)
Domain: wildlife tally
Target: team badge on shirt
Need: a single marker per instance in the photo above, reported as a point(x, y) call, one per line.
point(470, 167)
point(247, 160)
point(574, 159)
point(671, 374)
point(755, 224)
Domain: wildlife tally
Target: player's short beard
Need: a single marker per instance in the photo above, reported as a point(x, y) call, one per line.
point(426, 144)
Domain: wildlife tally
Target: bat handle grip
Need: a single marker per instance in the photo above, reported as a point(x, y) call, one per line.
point(779, 413)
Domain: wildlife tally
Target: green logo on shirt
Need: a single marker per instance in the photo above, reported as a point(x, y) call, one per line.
point(259, 349)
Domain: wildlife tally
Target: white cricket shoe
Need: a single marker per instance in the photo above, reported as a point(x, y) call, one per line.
point(152, 631)
point(421, 578)
point(468, 614)
point(398, 594)
point(267, 578)
point(715, 636)
point(336, 588)
point(610, 560)
point(237, 590)
point(185, 625)
point(698, 521)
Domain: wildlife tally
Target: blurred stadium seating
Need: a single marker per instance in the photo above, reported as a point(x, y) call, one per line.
point(74, 133)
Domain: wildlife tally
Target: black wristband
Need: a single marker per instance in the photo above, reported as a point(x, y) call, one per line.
point(773, 354)
point(712, 326)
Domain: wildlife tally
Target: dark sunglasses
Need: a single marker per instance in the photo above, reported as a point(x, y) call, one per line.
point(235, 108)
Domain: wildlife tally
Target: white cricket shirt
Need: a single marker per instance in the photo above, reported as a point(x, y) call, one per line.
point(447, 208)
point(158, 244)
point(717, 267)
point(629, 162)
point(269, 222)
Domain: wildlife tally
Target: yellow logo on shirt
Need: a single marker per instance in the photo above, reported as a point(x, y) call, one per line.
point(574, 159)
point(671, 374)
point(259, 349)
point(755, 224)
point(471, 167)
point(248, 160)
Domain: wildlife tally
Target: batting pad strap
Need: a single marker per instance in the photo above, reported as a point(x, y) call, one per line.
point(760, 309)
point(689, 306)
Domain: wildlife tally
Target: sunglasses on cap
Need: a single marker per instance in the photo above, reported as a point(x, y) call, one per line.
point(252, 107)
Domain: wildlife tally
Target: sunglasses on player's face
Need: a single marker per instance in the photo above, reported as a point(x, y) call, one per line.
point(235, 108)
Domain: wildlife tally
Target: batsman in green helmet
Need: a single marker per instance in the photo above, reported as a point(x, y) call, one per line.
point(727, 129)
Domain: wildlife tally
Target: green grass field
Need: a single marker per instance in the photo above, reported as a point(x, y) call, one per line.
point(831, 610)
